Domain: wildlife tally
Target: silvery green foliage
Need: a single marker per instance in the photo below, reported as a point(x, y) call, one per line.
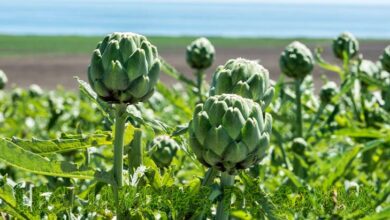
point(200, 54)
point(385, 59)
point(368, 68)
point(345, 43)
point(162, 150)
point(245, 78)
point(3, 79)
point(328, 91)
point(124, 68)
point(229, 132)
point(299, 145)
point(296, 61)
point(35, 91)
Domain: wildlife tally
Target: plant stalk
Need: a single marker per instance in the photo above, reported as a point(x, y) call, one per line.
point(222, 210)
point(199, 83)
point(299, 107)
point(317, 116)
point(135, 152)
point(120, 121)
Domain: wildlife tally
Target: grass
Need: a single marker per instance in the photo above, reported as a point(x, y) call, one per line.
point(48, 45)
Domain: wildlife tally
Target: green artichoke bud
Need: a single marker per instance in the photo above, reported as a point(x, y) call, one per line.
point(124, 68)
point(16, 94)
point(162, 150)
point(296, 61)
point(200, 54)
point(299, 145)
point(245, 78)
point(385, 59)
point(3, 79)
point(35, 90)
point(328, 91)
point(345, 43)
point(229, 132)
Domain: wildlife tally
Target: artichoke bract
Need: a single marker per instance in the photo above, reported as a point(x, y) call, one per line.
point(345, 43)
point(385, 59)
point(124, 68)
point(3, 79)
point(328, 91)
point(200, 54)
point(229, 132)
point(162, 150)
point(245, 78)
point(296, 61)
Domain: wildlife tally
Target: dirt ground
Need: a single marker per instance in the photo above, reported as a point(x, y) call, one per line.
point(49, 71)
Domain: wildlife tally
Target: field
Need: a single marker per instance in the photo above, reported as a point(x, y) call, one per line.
point(203, 142)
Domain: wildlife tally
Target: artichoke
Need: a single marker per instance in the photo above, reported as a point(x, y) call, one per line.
point(299, 145)
point(34, 90)
point(245, 78)
point(296, 61)
point(385, 59)
point(368, 68)
point(345, 43)
point(162, 150)
point(124, 68)
point(3, 79)
point(328, 91)
point(200, 54)
point(229, 132)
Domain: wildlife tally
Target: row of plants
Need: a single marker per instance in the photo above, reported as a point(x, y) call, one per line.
point(242, 147)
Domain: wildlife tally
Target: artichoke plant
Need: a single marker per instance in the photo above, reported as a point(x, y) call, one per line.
point(229, 132)
point(34, 90)
point(369, 69)
point(200, 54)
point(124, 68)
point(328, 91)
point(245, 78)
point(296, 61)
point(385, 59)
point(3, 79)
point(346, 44)
point(162, 150)
point(299, 145)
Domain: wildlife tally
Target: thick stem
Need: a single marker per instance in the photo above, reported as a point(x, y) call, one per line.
point(222, 210)
point(135, 152)
point(120, 120)
point(354, 106)
point(199, 83)
point(299, 106)
point(318, 115)
point(209, 176)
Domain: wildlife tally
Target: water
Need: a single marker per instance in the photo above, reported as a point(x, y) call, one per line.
point(96, 17)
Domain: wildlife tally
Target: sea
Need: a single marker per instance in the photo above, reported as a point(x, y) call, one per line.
point(182, 18)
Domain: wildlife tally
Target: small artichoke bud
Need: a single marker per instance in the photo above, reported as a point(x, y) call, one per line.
point(345, 43)
point(162, 150)
point(124, 68)
point(296, 61)
point(229, 132)
point(299, 145)
point(385, 59)
point(328, 91)
point(200, 54)
point(245, 78)
point(16, 94)
point(34, 90)
point(3, 79)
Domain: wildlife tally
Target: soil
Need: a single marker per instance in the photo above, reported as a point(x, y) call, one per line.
point(49, 71)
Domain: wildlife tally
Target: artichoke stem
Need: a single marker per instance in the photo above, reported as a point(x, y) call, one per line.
point(120, 121)
point(209, 176)
point(222, 210)
point(318, 115)
point(135, 152)
point(199, 83)
point(299, 106)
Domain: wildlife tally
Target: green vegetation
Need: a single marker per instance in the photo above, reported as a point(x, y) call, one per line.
point(245, 147)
